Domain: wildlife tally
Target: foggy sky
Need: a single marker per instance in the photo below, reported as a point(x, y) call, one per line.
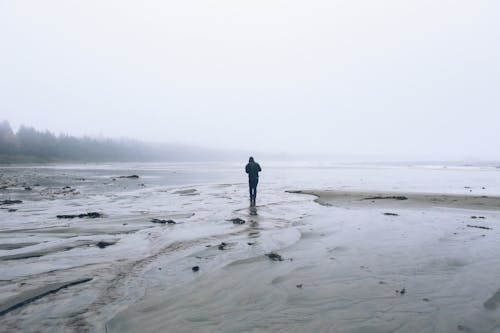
point(402, 79)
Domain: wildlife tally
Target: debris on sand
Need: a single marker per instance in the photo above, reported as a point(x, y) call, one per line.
point(196, 268)
point(91, 215)
point(103, 244)
point(10, 202)
point(391, 214)
point(274, 256)
point(129, 177)
point(299, 286)
point(237, 220)
point(477, 217)
point(479, 227)
point(163, 221)
point(394, 197)
point(222, 246)
point(401, 292)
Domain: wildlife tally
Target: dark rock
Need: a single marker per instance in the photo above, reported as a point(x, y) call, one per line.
point(473, 217)
point(237, 220)
point(102, 244)
point(91, 215)
point(196, 268)
point(10, 202)
point(222, 246)
point(129, 177)
point(12, 210)
point(274, 256)
point(251, 243)
point(163, 221)
point(401, 292)
point(299, 286)
point(391, 214)
point(426, 300)
point(27, 188)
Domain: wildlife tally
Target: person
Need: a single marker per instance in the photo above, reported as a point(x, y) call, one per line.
point(253, 169)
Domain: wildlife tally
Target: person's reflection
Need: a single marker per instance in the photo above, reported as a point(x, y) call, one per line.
point(254, 225)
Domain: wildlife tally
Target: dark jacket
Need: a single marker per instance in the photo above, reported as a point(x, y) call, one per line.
point(253, 169)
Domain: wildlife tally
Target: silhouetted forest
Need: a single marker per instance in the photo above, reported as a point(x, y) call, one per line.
point(31, 145)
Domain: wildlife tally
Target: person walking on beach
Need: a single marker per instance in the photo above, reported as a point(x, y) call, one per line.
point(253, 169)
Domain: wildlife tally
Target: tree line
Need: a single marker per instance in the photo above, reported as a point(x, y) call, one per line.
point(31, 145)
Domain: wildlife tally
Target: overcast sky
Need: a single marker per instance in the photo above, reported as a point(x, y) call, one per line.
point(409, 79)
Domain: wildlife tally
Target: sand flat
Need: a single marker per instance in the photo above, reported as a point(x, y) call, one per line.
point(353, 269)
point(402, 199)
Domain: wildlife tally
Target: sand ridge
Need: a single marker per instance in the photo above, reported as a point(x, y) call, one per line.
point(402, 199)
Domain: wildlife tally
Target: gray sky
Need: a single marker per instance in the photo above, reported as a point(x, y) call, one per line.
point(409, 79)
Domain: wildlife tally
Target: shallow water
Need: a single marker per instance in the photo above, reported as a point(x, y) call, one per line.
point(151, 264)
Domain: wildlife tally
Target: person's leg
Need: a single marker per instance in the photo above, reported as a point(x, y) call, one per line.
point(250, 187)
point(255, 190)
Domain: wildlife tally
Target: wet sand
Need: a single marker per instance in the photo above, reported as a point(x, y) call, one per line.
point(350, 269)
point(343, 260)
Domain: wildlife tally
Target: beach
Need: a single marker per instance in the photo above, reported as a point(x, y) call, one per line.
point(328, 248)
